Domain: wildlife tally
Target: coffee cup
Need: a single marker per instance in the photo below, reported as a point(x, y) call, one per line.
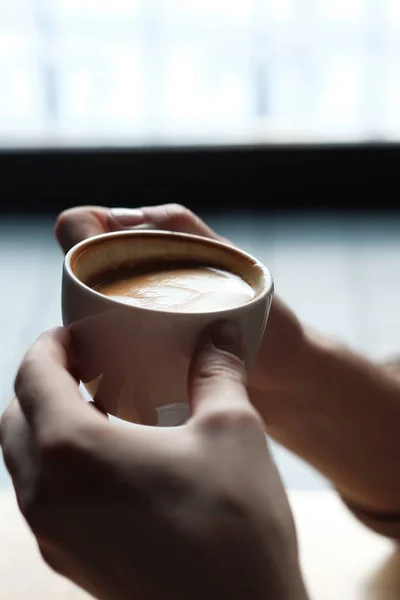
point(134, 358)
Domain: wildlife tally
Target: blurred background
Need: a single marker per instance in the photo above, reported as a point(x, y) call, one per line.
point(277, 121)
point(148, 72)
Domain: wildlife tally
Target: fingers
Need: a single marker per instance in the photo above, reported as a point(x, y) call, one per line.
point(80, 223)
point(217, 380)
point(19, 452)
point(46, 390)
point(171, 217)
point(17, 446)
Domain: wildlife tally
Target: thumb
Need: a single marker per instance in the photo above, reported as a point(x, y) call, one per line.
point(217, 377)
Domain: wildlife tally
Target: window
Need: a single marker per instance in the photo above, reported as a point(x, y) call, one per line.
point(198, 71)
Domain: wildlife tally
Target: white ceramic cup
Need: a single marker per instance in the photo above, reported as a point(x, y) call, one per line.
point(134, 361)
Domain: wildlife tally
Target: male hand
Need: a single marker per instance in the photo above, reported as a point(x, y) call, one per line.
point(191, 512)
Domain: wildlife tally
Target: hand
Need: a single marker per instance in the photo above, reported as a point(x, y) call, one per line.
point(310, 390)
point(278, 367)
point(191, 512)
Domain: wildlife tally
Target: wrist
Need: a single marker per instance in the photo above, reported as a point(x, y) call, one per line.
point(281, 401)
point(319, 356)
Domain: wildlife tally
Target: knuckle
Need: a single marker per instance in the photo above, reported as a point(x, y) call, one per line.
point(65, 214)
point(231, 419)
point(64, 444)
point(62, 223)
point(56, 445)
point(9, 443)
point(223, 366)
point(9, 459)
point(37, 359)
point(177, 209)
point(7, 449)
point(22, 375)
point(178, 215)
point(64, 218)
point(3, 426)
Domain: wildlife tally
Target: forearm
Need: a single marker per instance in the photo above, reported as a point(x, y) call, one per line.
point(343, 417)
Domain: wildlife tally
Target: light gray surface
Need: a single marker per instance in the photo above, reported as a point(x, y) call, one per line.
point(340, 275)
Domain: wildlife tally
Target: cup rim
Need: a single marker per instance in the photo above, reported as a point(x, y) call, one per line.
point(268, 281)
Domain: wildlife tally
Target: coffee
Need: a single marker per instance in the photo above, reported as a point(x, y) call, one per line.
point(140, 358)
point(176, 287)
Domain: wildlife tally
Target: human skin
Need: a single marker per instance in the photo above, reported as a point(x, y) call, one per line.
point(190, 512)
point(331, 406)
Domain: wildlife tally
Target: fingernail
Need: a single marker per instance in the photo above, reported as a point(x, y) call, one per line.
point(227, 336)
point(128, 216)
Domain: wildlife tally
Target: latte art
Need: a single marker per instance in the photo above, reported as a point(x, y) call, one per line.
point(176, 288)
